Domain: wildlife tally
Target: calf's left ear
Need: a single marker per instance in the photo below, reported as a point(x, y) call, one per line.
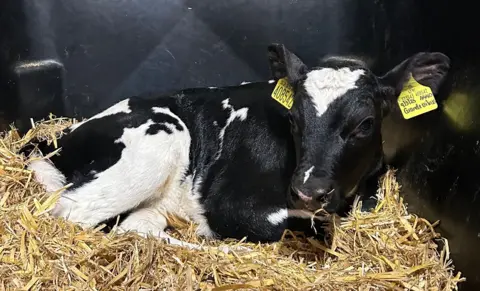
point(284, 63)
point(428, 69)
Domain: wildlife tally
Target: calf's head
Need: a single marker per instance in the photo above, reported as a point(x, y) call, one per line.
point(336, 119)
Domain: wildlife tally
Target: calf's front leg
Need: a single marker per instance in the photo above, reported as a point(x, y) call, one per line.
point(150, 221)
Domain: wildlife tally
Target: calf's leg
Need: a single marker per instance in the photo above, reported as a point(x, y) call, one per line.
point(150, 221)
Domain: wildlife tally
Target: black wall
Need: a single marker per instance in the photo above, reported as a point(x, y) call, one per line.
point(75, 58)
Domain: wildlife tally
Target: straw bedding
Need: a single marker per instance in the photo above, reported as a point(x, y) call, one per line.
point(388, 249)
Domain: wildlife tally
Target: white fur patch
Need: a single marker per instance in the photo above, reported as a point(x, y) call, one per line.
point(280, 215)
point(150, 168)
point(307, 174)
point(271, 81)
point(212, 87)
point(327, 84)
point(245, 83)
point(120, 107)
point(47, 174)
point(241, 114)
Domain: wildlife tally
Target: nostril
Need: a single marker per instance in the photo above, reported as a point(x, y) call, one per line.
point(303, 196)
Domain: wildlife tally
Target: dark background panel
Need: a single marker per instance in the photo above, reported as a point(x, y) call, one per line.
point(75, 58)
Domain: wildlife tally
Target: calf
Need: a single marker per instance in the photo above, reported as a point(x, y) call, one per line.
point(233, 159)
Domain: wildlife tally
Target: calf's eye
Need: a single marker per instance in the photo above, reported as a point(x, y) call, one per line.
point(365, 127)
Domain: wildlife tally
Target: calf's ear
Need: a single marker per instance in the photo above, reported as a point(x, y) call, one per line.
point(284, 63)
point(427, 68)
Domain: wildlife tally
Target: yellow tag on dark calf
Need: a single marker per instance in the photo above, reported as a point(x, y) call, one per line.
point(416, 99)
point(283, 93)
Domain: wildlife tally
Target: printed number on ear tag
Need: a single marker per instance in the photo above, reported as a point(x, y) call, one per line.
point(416, 99)
point(283, 93)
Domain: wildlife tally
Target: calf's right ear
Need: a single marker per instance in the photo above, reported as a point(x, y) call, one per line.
point(284, 63)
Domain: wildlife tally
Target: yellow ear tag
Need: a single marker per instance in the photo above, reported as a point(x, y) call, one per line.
point(416, 99)
point(283, 93)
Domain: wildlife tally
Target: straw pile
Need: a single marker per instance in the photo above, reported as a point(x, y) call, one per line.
point(388, 249)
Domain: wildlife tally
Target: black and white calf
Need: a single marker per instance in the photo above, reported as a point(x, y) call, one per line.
point(233, 159)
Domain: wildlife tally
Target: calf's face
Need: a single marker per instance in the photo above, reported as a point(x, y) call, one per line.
point(336, 119)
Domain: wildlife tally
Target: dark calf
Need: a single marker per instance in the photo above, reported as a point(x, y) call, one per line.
point(232, 159)
point(336, 121)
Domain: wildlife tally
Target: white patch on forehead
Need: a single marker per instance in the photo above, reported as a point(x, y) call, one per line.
point(328, 84)
point(245, 83)
point(307, 174)
point(271, 81)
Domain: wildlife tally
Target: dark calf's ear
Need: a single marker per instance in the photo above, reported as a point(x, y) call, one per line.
point(284, 63)
point(428, 69)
